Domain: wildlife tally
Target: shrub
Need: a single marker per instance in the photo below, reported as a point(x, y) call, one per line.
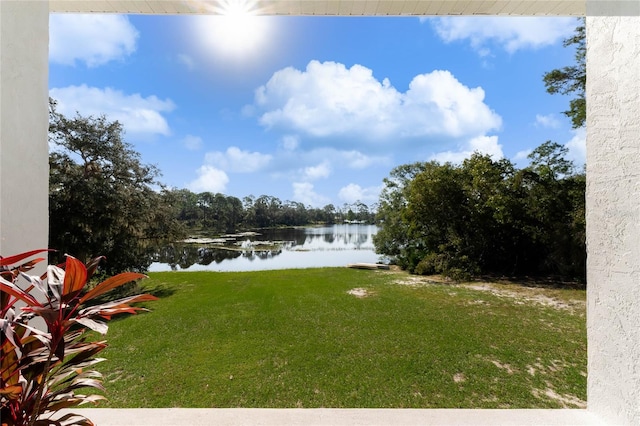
point(41, 368)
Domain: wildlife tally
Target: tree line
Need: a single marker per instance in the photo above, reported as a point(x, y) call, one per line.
point(219, 213)
point(486, 217)
point(103, 200)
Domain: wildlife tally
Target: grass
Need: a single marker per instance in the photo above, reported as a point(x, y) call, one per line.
point(297, 338)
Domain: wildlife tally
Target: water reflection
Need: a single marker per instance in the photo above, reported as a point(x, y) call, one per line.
point(274, 249)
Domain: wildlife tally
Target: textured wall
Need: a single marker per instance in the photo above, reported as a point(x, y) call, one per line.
point(24, 165)
point(613, 217)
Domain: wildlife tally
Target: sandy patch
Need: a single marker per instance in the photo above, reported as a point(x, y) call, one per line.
point(566, 400)
point(520, 295)
point(526, 295)
point(459, 378)
point(506, 367)
point(359, 292)
point(418, 280)
point(554, 366)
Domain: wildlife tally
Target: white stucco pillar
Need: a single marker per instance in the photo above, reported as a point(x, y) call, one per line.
point(613, 217)
point(24, 165)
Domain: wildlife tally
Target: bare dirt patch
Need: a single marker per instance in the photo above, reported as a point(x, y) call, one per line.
point(506, 367)
point(565, 400)
point(526, 295)
point(459, 378)
point(519, 293)
point(419, 280)
point(360, 292)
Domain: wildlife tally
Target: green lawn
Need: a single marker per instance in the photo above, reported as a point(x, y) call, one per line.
point(297, 338)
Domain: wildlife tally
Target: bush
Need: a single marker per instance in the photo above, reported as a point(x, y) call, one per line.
point(41, 369)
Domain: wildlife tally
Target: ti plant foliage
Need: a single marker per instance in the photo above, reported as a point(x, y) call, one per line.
point(43, 366)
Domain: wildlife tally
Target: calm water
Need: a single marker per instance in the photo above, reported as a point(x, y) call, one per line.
point(334, 245)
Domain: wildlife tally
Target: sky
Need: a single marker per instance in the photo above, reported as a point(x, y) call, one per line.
point(316, 110)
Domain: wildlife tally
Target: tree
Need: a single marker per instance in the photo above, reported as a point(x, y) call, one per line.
point(485, 216)
point(572, 79)
point(392, 238)
point(188, 211)
point(556, 206)
point(101, 196)
point(267, 209)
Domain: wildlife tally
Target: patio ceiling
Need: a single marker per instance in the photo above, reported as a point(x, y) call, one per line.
point(331, 7)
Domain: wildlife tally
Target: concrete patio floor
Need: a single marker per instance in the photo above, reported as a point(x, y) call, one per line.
point(334, 417)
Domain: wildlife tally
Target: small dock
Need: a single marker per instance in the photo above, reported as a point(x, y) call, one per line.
point(367, 266)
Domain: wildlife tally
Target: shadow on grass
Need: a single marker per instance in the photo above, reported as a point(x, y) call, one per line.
point(160, 291)
point(536, 282)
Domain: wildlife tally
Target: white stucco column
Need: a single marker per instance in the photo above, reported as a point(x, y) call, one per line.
point(24, 165)
point(613, 217)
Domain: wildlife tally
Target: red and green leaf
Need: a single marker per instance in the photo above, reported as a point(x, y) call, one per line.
point(110, 284)
point(75, 276)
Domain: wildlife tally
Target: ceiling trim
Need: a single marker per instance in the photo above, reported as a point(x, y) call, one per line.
point(331, 7)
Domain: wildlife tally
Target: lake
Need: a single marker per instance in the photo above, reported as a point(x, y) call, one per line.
point(311, 247)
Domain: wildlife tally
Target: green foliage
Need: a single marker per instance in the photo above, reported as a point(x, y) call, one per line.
point(42, 369)
point(102, 197)
point(218, 213)
point(572, 79)
point(392, 238)
point(485, 216)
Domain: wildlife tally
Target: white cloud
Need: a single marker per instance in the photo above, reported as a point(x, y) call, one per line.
point(483, 144)
point(321, 163)
point(290, 142)
point(94, 39)
point(522, 155)
point(322, 170)
point(329, 100)
point(192, 143)
point(209, 179)
point(549, 120)
point(187, 61)
point(354, 192)
point(512, 33)
point(236, 160)
point(358, 160)
point(137, 114)
point(304, 193)
point(578, 147)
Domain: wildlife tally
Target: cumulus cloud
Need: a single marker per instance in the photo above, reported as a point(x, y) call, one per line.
point(483, 144)
point(192, 143)
point(354, 192)
point(320, 171)
point(236, 160)
point(94, 39)
point(358, 160)
point(550, 121)
point(522, 155)
point(209, 179)
point(290, 142)
point(330, 100)
point(512, 33)
point(137, 114)
point(304, 193)
point(577, 146)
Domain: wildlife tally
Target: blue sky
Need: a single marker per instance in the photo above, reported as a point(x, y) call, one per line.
point(313, 109)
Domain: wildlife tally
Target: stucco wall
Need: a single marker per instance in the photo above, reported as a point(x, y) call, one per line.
point(613, 217)
point(24, 165)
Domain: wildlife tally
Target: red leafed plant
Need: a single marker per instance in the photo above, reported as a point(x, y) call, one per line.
point(43, 363)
